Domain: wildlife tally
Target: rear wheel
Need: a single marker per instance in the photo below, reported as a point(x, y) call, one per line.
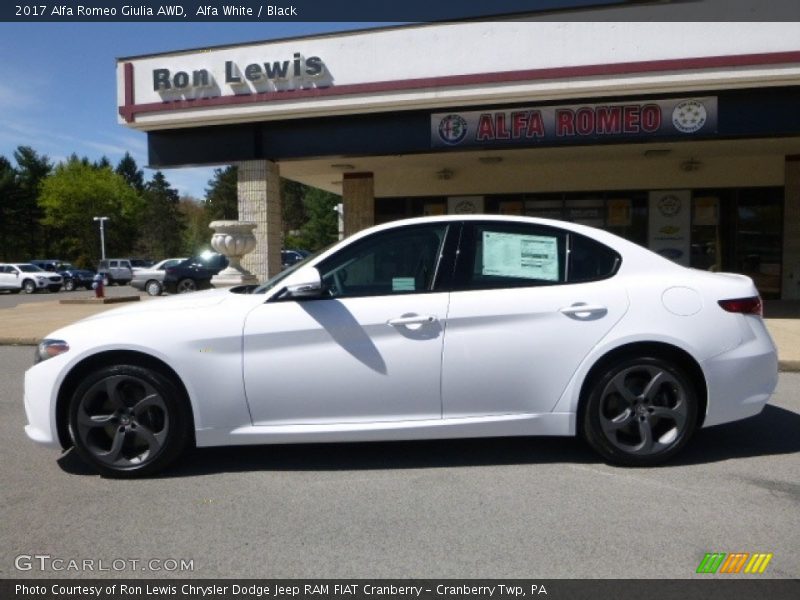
point(186, 285)
point(641, 412)
point(153, 288)
point(28, 286)
point(128, 421)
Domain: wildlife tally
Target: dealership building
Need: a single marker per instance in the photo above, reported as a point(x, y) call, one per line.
point(681, 136)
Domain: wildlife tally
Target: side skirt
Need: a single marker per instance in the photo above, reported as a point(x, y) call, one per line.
point(556, 424)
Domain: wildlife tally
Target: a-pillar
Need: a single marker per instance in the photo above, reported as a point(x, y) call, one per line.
point(791, 230)
point(259, 194)
point(358, 202)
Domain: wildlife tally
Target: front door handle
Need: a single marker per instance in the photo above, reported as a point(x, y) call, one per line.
point(411, 320)
point(584, 311)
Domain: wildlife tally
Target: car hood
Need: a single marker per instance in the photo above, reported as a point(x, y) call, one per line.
point(180, 302)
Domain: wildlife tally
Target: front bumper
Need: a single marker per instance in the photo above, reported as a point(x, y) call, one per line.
point(41, 383)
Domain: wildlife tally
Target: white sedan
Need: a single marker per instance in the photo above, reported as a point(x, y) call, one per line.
point(447, 327)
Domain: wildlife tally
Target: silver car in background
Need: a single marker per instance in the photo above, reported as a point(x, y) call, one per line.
point(151, 280)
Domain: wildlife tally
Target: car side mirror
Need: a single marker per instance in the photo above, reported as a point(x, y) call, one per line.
point(303, 283)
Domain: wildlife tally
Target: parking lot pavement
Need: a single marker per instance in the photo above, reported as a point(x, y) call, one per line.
point(524, 507)
point(11, 300)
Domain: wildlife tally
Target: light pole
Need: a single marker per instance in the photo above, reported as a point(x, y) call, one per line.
point(102, 221)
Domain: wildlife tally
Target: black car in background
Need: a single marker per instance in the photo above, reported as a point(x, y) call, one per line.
point(74, 277)
point(193, 273)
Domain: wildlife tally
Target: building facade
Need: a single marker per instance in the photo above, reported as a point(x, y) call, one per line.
point(682, 136)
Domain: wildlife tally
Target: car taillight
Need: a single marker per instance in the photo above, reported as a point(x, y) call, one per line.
point(746, 306)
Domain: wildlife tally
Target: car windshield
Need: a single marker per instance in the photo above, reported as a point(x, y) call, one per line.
point(67, 267)
point(271, 283)
point(29, 268)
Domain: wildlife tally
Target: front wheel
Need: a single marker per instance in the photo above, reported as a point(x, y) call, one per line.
point(641, 412)
point(69, 285)
point(28, 286)
point(128, 421)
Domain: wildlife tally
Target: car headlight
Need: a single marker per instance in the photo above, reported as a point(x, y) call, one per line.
point(50, 348)
point(41, 278)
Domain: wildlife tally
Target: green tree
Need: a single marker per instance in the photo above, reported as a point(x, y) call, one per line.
point(294, 211)
point(322, 225)
point(221, 195)
point(162, 224)
point(75, 193)
point(34, 239)
point(197, 235)
point(9, 209)
point(131, 172)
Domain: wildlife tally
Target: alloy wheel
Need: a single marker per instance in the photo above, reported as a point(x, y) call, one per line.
point(123, 421)
point(643, 410)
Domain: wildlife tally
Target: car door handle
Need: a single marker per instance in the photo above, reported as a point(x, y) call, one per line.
point(411, 320)
point(581, 310)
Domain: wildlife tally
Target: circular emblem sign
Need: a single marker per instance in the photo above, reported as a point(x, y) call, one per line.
point(669, 206)
point(689, 116)
point(452, 129)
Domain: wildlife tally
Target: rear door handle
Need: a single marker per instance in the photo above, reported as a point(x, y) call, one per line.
point(411, 320)
point(583, 311)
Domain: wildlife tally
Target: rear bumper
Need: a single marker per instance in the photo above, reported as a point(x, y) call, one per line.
point(741, 381)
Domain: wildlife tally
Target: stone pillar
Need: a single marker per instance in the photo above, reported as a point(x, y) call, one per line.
point(259, 193)
point(791, 230)
point(358, 200)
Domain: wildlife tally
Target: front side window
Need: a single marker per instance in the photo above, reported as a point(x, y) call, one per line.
point(399, 261)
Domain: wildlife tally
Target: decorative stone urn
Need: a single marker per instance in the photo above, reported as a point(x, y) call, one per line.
point(234, 239)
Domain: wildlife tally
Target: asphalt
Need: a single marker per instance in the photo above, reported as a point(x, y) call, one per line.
point(25, 323)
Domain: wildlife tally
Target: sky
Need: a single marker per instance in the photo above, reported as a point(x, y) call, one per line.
point(58, 84)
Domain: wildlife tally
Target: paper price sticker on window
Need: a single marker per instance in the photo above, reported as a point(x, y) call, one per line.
point(523, 256)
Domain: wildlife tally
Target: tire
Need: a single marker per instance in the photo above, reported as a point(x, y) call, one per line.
point(640, 412)
point(153, 288)
point(69, 285)
point(186, 285)
point(129, 421)
point(28, 286)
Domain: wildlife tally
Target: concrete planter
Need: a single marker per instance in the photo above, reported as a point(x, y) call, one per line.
point(234, 239)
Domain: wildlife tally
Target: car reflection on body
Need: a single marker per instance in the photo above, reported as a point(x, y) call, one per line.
point(444, 327)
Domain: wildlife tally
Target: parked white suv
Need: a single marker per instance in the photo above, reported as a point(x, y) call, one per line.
point(16, 277)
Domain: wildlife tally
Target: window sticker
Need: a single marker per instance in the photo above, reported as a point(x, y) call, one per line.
point(403, 284)
point(518, 255)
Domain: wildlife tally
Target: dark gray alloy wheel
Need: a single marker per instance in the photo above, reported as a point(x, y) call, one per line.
point(128, 421)
point(186, 285)
point(153, 288)
point(641, 412)
point(69, 285)
point(28, 286)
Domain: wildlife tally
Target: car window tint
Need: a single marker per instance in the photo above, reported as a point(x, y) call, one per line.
point(590, 260)
point(391, 262)
point(511, 255)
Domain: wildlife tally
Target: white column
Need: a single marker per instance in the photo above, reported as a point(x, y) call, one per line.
point(791, 230)
point(259, 194)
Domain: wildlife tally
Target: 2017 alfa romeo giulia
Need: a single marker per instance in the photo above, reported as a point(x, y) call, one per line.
point(446, 327)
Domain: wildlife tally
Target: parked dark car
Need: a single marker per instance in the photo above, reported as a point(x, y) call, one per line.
point(291, 256)
point(213, 261)
point(187, 276)
point(74, 277)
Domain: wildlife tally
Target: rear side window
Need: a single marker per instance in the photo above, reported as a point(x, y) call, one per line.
point(502, 255)
point(506, 255)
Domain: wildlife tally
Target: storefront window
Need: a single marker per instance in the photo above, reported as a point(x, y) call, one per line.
point(759, 235)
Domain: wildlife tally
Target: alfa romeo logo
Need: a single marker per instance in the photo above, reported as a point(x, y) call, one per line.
point(452, 129)
point(689, 116)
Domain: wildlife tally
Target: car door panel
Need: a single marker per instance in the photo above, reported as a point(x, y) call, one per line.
point(341, 360)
